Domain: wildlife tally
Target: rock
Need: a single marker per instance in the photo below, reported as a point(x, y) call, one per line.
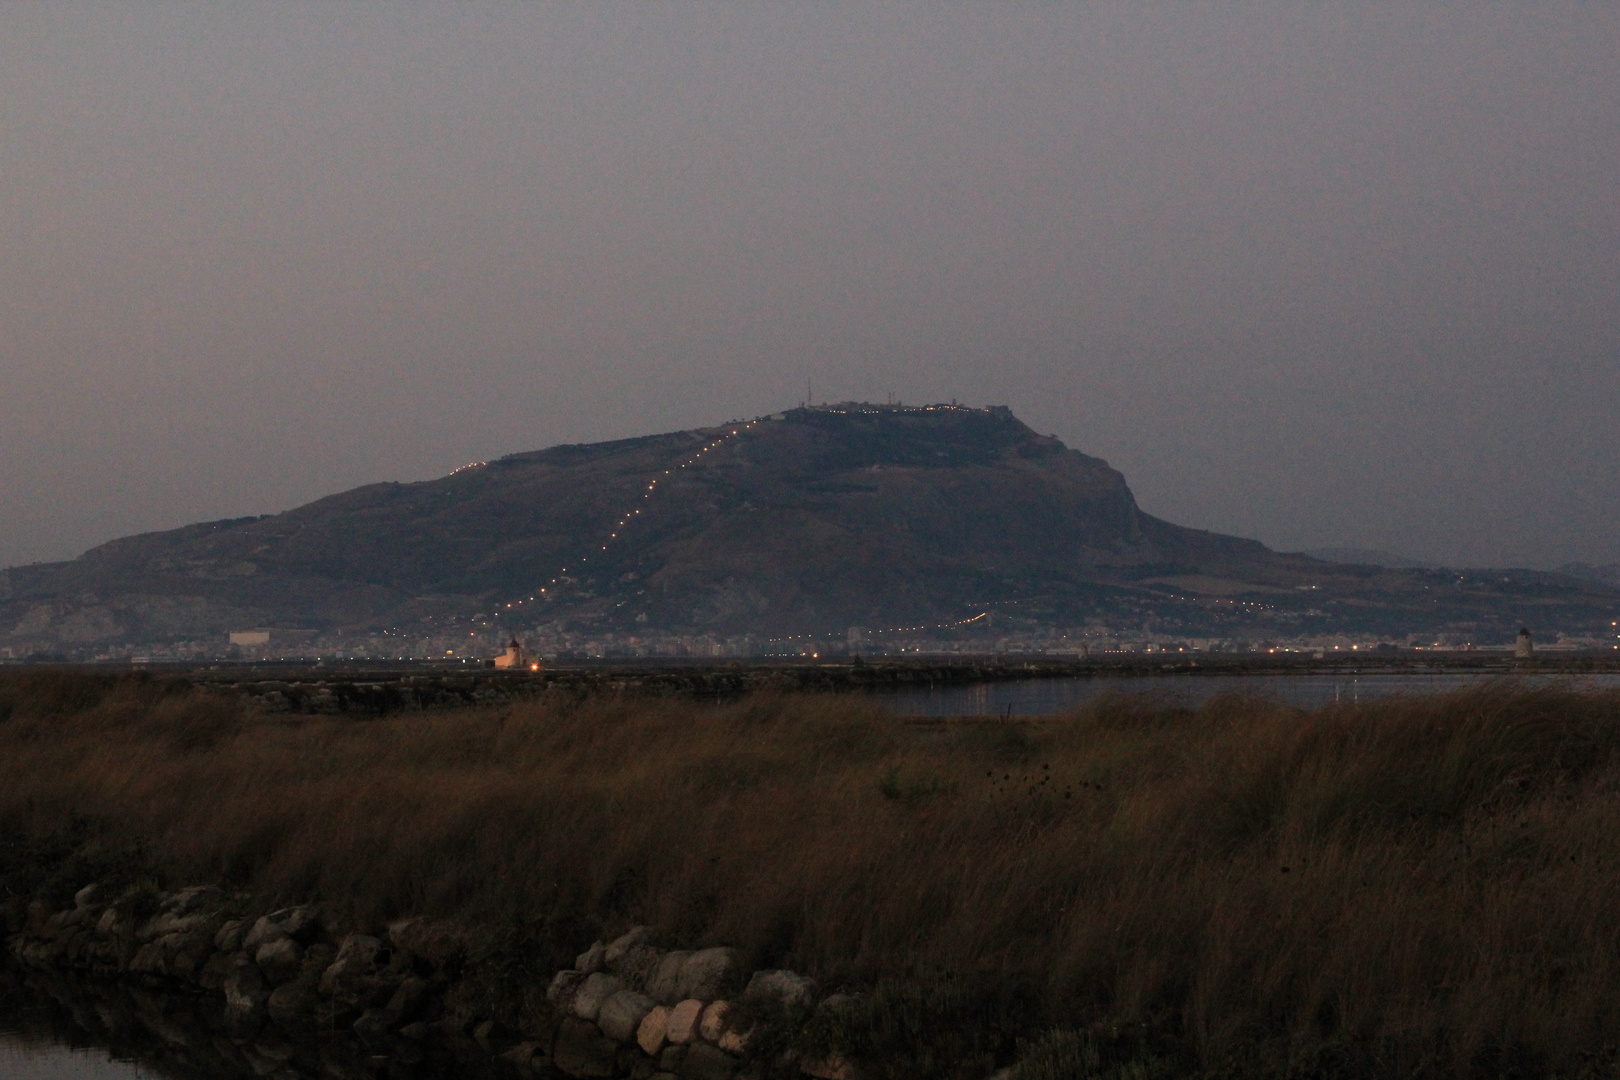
point(712, 1024)
point(709, 974)
point(213, 974)
point(663, 984)
point(614, 954)
point(264, 931)
point(186, 901)
point(838, 1004)
point(187, 960)
point(705, 1062)
point(683, 1022)
point(280, 960)
point(790, 989)
point(638, 965)
point(408, 998)
point(353, 974)
point(168, 923)
point(670, 1058)
point(620, 1015)
point(229, 937)
point(442, 945)
point(653, 1030)
point(733, 1042)
point(88, 897)
point(832, 1067)
point(590, 961)
point(564, 988)
point(522, 1055)
point(593, 994)
point(291, 1001)
point(148, 960)
point(108, 924)
point(416, 1030)
point(582, 1050)
point(244, 987)
point(300, 923)
point(373, 1025)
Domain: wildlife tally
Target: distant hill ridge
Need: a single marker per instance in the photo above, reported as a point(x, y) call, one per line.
point(808, 521)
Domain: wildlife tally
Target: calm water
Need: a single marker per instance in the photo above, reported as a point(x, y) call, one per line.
point(20, 1057)
point(1037, 697)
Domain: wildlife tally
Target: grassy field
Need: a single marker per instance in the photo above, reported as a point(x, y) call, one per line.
point(1421, 885)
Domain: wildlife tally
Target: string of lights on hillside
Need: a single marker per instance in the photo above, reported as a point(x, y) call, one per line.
point(630, 514)
point(887, 629)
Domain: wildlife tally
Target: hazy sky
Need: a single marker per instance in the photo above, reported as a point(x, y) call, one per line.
point(1317, 273)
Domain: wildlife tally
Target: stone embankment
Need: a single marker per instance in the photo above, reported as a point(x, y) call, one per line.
point(626, 1008)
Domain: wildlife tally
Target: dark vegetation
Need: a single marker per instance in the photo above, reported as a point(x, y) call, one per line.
point(1408, 886)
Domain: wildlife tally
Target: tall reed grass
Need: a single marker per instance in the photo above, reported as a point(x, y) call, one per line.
point(1423, 882)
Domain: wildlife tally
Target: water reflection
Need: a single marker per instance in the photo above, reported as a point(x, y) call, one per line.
point(1039, 697)
point(52, 1061)
point(53, 1026)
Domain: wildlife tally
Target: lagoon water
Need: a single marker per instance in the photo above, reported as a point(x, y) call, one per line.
point(58, 1061)
point(1045, 697)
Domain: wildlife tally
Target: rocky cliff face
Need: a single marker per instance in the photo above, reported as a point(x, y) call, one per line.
point(807, 522)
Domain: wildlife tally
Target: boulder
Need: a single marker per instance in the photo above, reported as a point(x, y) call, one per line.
point(168, 923)
point(683, 1022)
point(663, 983)
point(228, 938)
point(709, 974)
point(638, 965)
point(583, 1051)
point(280, 960)
point(593, 994)
point(620, 1015)
point(149, 959)
point(705, 1062)
point(291, 1002)
point(712, 1024)
point(789, 989)
point(407, 999)
point(614, 954)
point(186, 901)
point(88, 897)
point(216, 970)
point(264, 931)
point(836, 1003)
point(653, 1030)
point(564, 988)
point(244, 987)
point(109, 923)
point(299, 923)
point(442, 945)
point(373, 1025)
point(590, 961)
point(733, 1042)
point(355, 974)
point(832, 1067)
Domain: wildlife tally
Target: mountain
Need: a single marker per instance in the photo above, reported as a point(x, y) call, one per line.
point(1368, 557)
point(945, 519)
point(1609, 575)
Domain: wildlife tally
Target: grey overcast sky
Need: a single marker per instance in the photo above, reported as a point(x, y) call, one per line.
point(1316, 273)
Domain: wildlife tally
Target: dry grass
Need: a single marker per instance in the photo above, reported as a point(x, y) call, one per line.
point(1414, 877)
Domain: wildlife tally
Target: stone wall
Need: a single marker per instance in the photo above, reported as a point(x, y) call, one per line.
point(626, 1009)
